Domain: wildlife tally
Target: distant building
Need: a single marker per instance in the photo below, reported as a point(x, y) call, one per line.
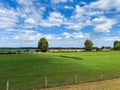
point(65, 50)
point(106, 48)
point(94, 50)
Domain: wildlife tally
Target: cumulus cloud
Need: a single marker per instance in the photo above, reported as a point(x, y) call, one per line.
point(76, 21)
point(32, 17)
point(106, 4)
point(79, 11)
point(54, 19)
point(24, 16)
point(83, 17)
point(8, 17)
point(29, 13)
point(102, 24)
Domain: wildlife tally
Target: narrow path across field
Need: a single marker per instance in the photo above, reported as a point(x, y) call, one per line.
point(113, 84)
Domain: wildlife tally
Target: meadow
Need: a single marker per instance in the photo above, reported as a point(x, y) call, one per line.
point(28, 71)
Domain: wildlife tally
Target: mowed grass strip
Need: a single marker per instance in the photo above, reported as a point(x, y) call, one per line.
point(28, 71)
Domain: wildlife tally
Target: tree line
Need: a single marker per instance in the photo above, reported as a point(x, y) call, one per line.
point(43, 45)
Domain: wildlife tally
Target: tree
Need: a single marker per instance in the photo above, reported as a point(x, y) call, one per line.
point(88, 45)
point(43, 44)
point(117, 45)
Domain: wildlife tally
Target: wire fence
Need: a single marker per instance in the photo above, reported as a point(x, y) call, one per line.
point(45, 82)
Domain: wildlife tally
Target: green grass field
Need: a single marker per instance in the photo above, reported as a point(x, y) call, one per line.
point(28, 71)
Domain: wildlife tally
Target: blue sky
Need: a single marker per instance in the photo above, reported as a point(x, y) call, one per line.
point(65, 23)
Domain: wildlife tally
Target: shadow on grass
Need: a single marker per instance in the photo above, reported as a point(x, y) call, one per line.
point(72, 57)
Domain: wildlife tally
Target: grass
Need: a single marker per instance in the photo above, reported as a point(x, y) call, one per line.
point(28, 71)
point(113, 84)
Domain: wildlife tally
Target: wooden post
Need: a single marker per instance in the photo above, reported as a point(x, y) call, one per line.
point(7, 85)
point(76, 79)
point(46, 82)
point(101, 76)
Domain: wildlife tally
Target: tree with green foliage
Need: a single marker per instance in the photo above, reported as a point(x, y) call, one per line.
point(88, 45)
point(117, 45)
point(43, 44)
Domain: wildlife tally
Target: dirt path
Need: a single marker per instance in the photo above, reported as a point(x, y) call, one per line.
point(113, 84)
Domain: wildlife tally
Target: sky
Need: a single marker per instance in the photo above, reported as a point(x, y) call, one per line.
point(64, 23)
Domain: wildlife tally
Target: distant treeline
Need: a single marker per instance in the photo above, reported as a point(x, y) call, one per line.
point(26, 50)
point(43, 47)
point(18, 47)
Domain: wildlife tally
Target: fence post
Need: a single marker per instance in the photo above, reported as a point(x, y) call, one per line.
point(76, 79)
point(46, 82)
point(7, 85)
point(101, 76)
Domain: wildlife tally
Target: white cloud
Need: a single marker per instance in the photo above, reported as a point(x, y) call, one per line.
point(25, 37)
point(106, 4)
point(67, 35)
point(110, 38)
point(59, 38)
point(82, 18)
point(79, 11)
point(102, 24)
point(8, 17)
point(27, 31)
point(75, 26)
point(25, 2)
point(60, 1)
point(76, 21)
point(105, 41)
point(7, 22)
point(54, 19)
point(30, 21)
point(70, 43)
point(75, 35)
point(82, 2)
point(80, 35)
point(33, 17)
point(31, 35)
point(85, 12)
point(27, 15)
point(68, 7)
point(30, 14)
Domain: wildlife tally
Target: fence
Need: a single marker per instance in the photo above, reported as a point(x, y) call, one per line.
point(45, 82)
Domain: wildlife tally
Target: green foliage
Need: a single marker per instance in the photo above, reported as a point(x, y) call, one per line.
point(88, 45)
point(117, 45)
point(43, 45)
